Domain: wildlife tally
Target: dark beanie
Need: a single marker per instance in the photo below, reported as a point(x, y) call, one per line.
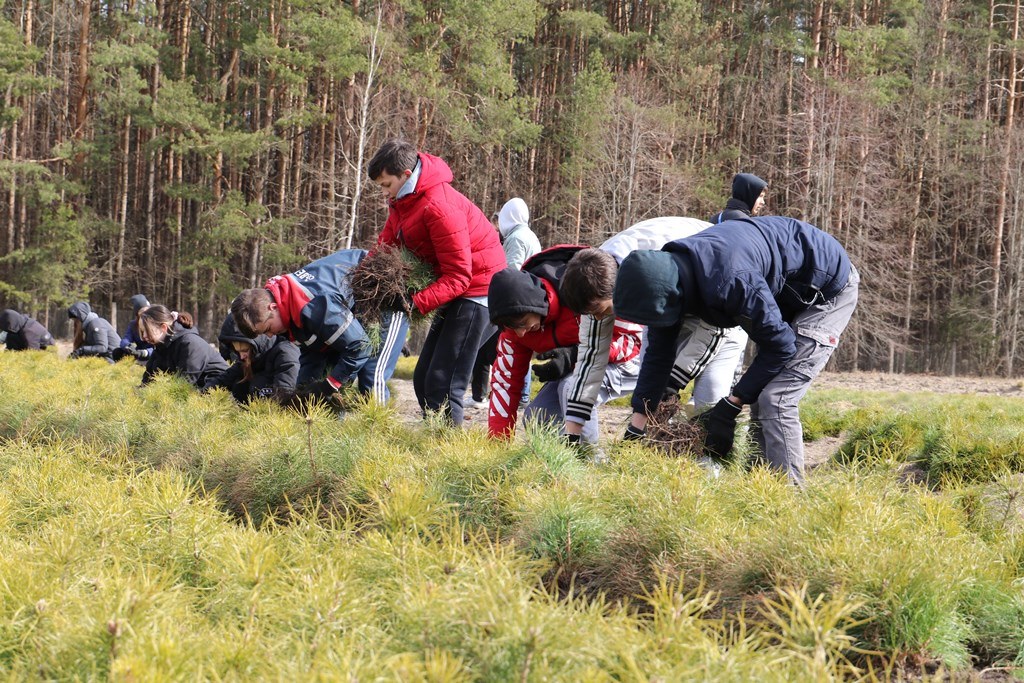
point(137, 302)
point(513, 293)
point(747, 187)
point(647, 289)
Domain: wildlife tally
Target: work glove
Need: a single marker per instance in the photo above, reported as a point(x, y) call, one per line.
point(400, 302)
point(576, 445)
point(140, 354)
point(77, 353)
point(633, 433)
point(559, 363)
point(719, 425)
point(320, 391)
point(120, 352)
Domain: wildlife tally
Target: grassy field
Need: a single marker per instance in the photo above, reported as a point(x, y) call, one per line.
point(160, 534)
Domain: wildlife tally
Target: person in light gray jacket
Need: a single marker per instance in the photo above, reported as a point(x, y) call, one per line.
point(520, 243)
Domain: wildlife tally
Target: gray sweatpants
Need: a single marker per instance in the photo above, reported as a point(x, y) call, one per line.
point(775, 416)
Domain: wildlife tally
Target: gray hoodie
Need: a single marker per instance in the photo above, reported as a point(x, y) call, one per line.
point(100, 336)
point(518, 240)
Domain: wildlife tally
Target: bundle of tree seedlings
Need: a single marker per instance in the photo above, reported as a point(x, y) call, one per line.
point(384, 281)
point(671, 432)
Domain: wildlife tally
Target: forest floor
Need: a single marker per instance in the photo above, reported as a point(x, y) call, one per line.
point(613, 417)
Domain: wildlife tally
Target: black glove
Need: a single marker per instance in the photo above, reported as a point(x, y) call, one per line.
point(120, 352)
point(77, 353)
point(559, 363)
point(400, 302)
point(320, 391)
point(633, 433)
point(575, 443)
point(719, 425)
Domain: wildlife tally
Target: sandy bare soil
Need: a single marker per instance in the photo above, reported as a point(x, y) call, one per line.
point(613, 418)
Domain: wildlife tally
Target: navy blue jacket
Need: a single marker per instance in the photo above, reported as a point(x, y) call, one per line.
point(315, 303)
point(183, 352)
point(757, 273)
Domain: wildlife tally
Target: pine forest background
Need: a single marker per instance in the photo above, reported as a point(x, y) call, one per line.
point(189, 149)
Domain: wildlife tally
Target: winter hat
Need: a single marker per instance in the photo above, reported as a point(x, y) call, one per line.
point(138, 301)
point(647, 289)
point(81, 310)
point(513, 293)
point(747, 187)
point(514, 213)
point(12, 321)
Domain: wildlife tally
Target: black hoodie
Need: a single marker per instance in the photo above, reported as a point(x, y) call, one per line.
point(183, 352)
point(746, 188)
point(23, 333)
point(275, 363)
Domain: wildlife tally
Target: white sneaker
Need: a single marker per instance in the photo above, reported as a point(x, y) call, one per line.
point(473, 403)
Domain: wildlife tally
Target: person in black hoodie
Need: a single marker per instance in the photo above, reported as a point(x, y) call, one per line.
point(747, 199)
point(94, 336)
point(265, 366)
point(23, 332)
point(178, 348)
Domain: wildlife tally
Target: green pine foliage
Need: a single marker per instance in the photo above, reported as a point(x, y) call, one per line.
point(157, 532)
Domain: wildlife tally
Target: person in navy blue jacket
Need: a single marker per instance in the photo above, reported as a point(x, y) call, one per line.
point(132, 343)
point(313, 306)
point(792, 288)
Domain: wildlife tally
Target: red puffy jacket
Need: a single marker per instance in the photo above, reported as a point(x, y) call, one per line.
point(443, 228)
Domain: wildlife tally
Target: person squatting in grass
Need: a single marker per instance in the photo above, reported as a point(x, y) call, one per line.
point(526, 305)
point(519, 243)
point(94, 336)
point(24, 333)
point(790, 285)
point(747, 199)
point(178, 349)
point(706, 354)
point(441, 227)
point(263, 366)
point(313, 307)
point(132, 343)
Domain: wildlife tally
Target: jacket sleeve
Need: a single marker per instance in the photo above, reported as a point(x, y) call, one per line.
point(516, 252)
point(591, 362)
point(755, 307)
point(286, 366)
point(95, 340)
point(151, 369)
point(190, 361)
point(701, 345)
point(336, 327)
point(449, 235)
point(655, 368)
point(229, 379)
point(508, 376)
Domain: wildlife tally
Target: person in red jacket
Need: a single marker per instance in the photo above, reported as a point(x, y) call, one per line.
point(527, 306)
point(445, 229)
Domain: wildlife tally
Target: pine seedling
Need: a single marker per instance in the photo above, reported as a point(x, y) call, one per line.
point(382, 281)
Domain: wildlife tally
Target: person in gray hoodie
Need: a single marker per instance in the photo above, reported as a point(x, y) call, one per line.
point(520, 243)
point(94, 336)
point(23, 333)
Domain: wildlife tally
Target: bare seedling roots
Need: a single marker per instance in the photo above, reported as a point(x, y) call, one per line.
point(379, 282)
point(675, 438)
point(382, 282)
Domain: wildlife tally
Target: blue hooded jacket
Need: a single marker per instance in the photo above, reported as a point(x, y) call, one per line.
point(758, 273)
